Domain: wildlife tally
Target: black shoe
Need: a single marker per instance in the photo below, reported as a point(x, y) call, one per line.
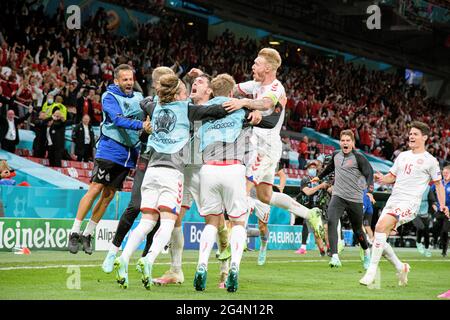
point(329, 253)
point(444, 254)
point(86, 241)
point(74, 242)
point(322, 253)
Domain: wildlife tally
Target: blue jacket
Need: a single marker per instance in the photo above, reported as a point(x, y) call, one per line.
point(108, 148)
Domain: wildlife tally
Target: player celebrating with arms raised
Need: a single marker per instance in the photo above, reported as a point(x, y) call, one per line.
point(411, 173)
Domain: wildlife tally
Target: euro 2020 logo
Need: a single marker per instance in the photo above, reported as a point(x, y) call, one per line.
point(165, 121)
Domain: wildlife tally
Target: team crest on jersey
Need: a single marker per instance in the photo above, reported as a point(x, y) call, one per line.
point(165, 121)
point(419, 161)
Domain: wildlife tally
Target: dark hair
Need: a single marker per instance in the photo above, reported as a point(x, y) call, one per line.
point(422, 127)
point(121, 67)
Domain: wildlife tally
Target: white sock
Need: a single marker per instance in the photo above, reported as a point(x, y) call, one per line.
point(367, 252)
point(207, 240)
point(176, 249)
point(161, 238)
point(303, 246)
point(90, 228)
point(237, 243)
point(76, 226)
point(113, 249)
point(377, 250)
point(390, 255)
point(136, 237)
point(283, 201)
point(335, 255)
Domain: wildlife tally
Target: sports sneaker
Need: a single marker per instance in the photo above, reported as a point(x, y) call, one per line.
point(262, 256)
point(445, 295)
point(225, 254)
point(146, 271)
point(322, 253)
point(369, 278)
point(232, 282)
point(420, 248)
point(86, 241)
point(315, 220)
point(427, 253)
point(74, 242)
point(366, 262)
point(301, 251)
point(403, 275)
point(200, 278)
point(170, 277)
point(108, 263)
point(121, 268)
point(329, 252)
point(335, 262)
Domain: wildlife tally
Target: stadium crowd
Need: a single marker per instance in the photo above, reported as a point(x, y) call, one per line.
point(52, 68)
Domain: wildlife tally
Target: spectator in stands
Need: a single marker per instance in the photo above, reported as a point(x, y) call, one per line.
point(302, 153)
point(313, 150)
point(5, 174)
point(56, 129)
point(9, 129)
point(84, 104)
point(97, 106)
point(83, 137)
point(286, 148)
point(51, 105)
point(40, 139)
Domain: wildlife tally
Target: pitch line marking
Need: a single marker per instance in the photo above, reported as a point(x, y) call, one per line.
point(168, 263)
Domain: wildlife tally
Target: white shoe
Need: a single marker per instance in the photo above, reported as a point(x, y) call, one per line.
point(403, 275)
point(368, 279)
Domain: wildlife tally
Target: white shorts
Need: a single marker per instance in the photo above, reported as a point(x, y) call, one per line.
point(403, 210)
point(162, 189)
point(262, 211)
point(191, 186)
point(223, 186)
point(262, 170)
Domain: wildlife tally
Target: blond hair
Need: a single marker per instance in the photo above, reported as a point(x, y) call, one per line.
point(159, 72)
point(169, 86)
point(271, 56)
point(4, 166)
point(222, 85)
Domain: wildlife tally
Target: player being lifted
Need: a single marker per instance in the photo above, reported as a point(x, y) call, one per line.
point(267, 91)
point(410, 174)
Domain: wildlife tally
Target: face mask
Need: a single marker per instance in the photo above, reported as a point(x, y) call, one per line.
point(312, 172)
point(50, 101)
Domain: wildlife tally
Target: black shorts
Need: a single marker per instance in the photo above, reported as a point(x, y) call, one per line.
point(109, 173)
point(367, 220)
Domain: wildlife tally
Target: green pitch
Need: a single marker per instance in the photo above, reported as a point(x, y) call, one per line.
point(286, 275)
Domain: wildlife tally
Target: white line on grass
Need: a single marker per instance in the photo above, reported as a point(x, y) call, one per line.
point(168, 263)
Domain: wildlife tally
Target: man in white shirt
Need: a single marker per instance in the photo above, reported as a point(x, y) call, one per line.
point(9, 135)
point(410, 174)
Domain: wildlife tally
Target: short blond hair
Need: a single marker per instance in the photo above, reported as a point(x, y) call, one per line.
point(159, 72)
point(271, 56)
point(222, 85)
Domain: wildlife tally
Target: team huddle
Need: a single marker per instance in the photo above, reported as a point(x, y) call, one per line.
point(220, 146)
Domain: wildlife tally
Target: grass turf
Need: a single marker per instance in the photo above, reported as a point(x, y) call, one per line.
point(286, 275)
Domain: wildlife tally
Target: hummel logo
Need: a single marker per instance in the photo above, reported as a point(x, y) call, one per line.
point(101, 174)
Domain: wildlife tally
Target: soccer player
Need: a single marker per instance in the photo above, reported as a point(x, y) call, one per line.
point(162, 186)
point(368, 202)
point(267, 91)
point(350, 168)
point(116, 153)
point(132, 211)
point(411, 173)
point(222, 178)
